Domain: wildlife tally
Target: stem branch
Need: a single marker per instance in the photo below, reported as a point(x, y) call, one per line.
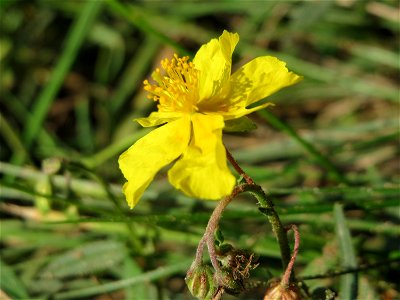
point(208, 237)
point(286, 277)
point(267, 207)
point(213, 224)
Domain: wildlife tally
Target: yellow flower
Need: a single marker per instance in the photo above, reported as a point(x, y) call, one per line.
point(194, 101)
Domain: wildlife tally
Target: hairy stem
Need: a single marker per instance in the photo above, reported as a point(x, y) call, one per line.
point(213, 225)
point(208, 236)
point(286, 277)
point(238, 169)
point(267, 207)
point(199, 252)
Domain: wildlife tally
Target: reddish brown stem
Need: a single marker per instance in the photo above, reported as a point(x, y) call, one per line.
point(238, 169)
point(199, 252)
point(267, 204)
point(208, 237)
point(213, 224)
point(288, 272)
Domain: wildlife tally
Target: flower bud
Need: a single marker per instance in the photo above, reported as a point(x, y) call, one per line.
point(231, 285)
point(236, 265)
point(200, 281)
point(277, 292)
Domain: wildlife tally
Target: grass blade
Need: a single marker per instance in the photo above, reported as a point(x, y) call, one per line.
point(10, 283)
point(86, 259)
point(73, 43)
point(348, 282)
point(138, 18)
point(116, 285)
point(322, 160)
point(134, 73)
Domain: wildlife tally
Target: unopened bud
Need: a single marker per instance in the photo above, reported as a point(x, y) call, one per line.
point(277, 292)
point(200, 281)
point(236, 265)
point(231, 285)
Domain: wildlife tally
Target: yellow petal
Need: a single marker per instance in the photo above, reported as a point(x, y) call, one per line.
point(157, 118)
point(147, 156)
point(258, 79)
point(240, 111)
point(202, 172)
point(214, 61)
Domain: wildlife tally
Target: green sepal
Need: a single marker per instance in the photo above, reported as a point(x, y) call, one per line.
point(200, 282)
point(219, 237)
point(243, 124)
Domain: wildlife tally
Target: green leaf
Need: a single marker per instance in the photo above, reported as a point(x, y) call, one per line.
point(243, 124)
point(136, 291)
point(87, 259)
point(115, 285)
point(45, 286)
point(10, 283)
point(321, 264)
point(74, 40)
point(348, 282)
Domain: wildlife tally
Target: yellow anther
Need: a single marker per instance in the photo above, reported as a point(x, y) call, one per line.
point(177, 88)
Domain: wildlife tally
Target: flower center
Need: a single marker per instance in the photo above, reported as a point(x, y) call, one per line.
point(177, 90)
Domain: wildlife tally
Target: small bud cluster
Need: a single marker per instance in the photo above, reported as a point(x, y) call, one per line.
point(235, 266)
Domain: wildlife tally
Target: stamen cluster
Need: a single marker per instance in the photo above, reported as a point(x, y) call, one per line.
point(177, 90)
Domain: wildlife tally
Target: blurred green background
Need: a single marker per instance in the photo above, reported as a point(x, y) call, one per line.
point(327, 154)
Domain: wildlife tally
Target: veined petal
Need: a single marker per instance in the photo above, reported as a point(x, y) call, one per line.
point(147, 156)
point(202, 172)
point(157, 118)
point(258, 79)
point(214, 61)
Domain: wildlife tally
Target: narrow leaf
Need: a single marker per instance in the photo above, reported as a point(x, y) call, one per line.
point(349, 282)
point(87, 259)
point(10, 283)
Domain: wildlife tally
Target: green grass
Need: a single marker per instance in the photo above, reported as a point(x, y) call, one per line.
point(327, 153)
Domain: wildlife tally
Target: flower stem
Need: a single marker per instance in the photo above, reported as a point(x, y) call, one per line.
point(238, 169)
point(288, 273)
point(267, 207)
point(212, 225)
